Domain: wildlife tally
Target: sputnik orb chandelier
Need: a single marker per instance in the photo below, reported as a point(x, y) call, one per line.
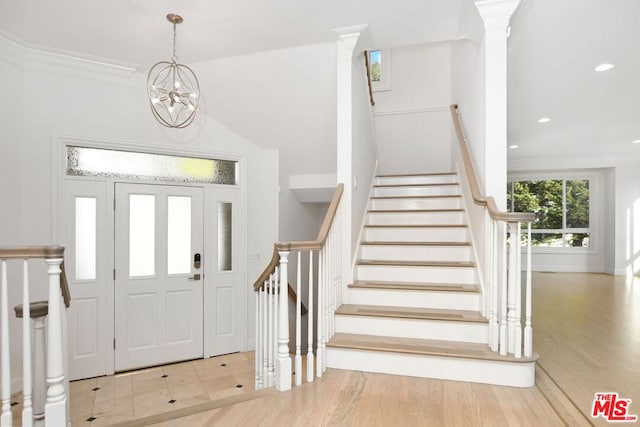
point(173, 88)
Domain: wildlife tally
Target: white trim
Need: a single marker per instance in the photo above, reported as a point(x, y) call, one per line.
point(419, 110)
point(45, 56)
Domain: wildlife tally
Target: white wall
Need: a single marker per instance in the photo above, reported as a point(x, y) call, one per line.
point(65, 96)
point(413, 126)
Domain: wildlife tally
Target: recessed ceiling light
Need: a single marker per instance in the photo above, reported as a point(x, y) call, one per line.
point(637, 141)
point(604, 67)
point(544, 120)
point(514, 146)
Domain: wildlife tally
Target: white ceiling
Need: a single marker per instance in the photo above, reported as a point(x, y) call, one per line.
point(553, 49)
point(136, 31)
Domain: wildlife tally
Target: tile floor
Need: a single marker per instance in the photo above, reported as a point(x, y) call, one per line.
point(136, 394)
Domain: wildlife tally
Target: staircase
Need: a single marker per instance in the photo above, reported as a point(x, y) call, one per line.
point(415, 308)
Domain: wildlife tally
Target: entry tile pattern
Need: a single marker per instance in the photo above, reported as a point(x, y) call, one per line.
point(130, 395)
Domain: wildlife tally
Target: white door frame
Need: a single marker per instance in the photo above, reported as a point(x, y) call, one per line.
point(59, 177)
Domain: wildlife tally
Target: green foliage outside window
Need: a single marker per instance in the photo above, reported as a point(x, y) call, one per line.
point(561, 208)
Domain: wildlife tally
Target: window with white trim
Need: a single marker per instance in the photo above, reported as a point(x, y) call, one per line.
point(562, 208)
point(380, 69)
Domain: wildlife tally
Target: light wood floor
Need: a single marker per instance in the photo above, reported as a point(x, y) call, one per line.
point(586, 330)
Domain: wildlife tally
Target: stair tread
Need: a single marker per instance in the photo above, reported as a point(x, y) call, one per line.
point(416, 263)
point(412, 286)
point(444, 210)
point(423, 347)
point(434, 196)
point(410, 243)
point(416, 225)
point(416, 174)
point(439, 184)
point(411, 313)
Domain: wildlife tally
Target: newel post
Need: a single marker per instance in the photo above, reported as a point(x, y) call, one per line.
point(55, 408)
point(283, 360)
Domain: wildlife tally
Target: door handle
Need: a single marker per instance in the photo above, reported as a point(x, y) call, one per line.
point(195, 277)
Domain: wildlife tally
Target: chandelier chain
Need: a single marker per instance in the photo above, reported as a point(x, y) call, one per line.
point(174, 58)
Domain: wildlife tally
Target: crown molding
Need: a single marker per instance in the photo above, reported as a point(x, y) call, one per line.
point(21, 53)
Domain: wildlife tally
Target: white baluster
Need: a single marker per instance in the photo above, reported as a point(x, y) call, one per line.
point(27, 410)
point(503, 294)
point(6, 419)
point(320, 325)
point(55, 408)
point(265, 334)
point(528, 330)
point(518, 286)
point(271, 336)
point(494, 325)
point(283, 361)
point(298, 358)
point(257, 359)
point(39, 375)
point(310, 322)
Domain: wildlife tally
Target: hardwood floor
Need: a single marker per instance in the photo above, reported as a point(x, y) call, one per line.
point(586, 330)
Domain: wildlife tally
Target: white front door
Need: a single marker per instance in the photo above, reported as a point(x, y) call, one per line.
point(159, 264)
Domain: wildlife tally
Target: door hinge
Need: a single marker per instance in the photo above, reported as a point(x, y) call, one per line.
point(114, 343)
point(114, 204)
point(114, 274)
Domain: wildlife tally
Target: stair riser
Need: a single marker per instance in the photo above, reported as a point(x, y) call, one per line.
point(451, 234)
point(446, 368)
point(413, 328)
point(407, 298)
point(415, 253)
point(435, 190)
point(415, 218)
point(462, 275)
point(430, 203)
point(404, 180)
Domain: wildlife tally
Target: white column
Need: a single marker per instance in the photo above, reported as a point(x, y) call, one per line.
point(347, 39)
point(495, 15)
point(55, 408)
point(283, 360)
point(39, 390)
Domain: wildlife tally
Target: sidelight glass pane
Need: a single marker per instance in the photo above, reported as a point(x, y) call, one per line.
point(178, 235)
point(375, 65)
point(225, 261)
point(84, 161)
point(85, 244)
point(142, 244)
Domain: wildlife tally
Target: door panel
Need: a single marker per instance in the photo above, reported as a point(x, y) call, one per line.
point(158, 288)
point(88, 272)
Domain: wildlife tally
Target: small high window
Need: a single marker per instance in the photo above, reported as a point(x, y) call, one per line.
point(380, 69)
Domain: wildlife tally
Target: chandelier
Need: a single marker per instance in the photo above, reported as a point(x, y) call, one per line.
point(173, 88)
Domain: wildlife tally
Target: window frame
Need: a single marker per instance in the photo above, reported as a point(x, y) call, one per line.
point(594, 215)
point(385, 70)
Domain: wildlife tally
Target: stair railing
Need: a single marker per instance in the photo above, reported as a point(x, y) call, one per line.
point(273, 365)
point(502, 264)
point(56, 408)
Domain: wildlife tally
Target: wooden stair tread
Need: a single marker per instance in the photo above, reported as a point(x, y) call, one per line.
point(434, 196)
point(410, 286)
point(383, 263)
point(439, 184)
point(411, 243)
point(400, 175)
point(444, 210)
point(411, 313)
point(423, 347)
point(416, 225)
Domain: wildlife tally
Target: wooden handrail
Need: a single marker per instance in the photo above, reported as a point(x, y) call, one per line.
point(41, 252)
point(478, 197)
point(366, 63)
point(303, 245)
